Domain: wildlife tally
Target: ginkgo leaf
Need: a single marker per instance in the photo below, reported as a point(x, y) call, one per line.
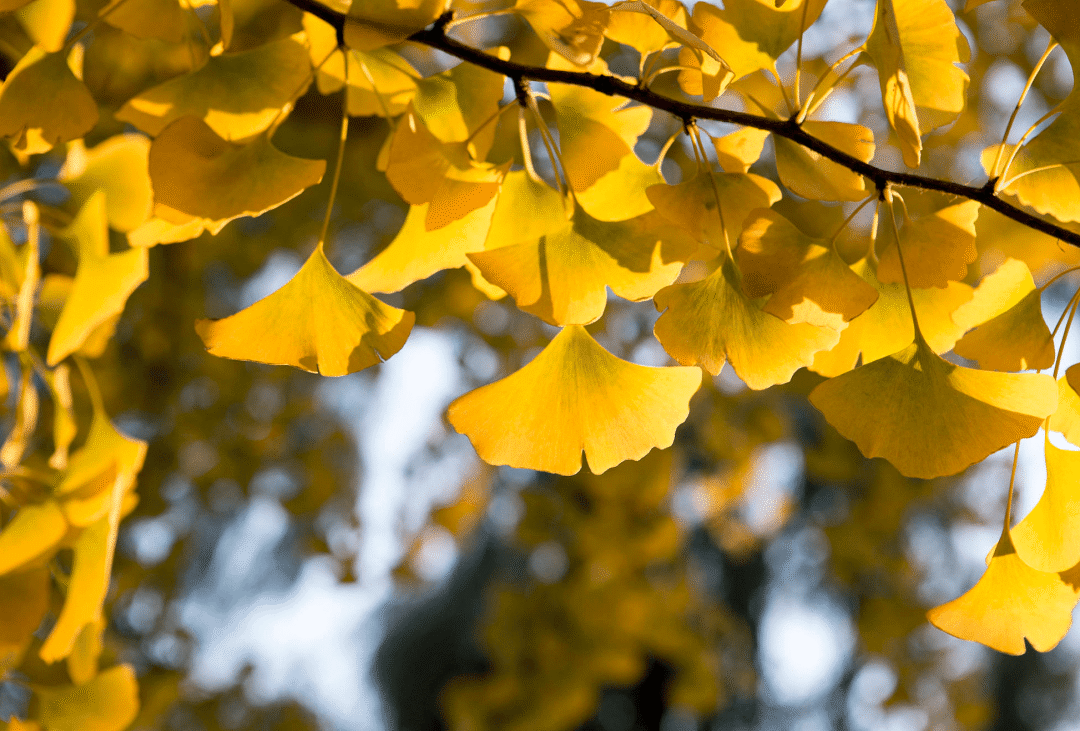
point(195, 171)
point(1010, 603)
point(165, 20)
point(886, 327)
point(416, 253)
point(31, 535)
point(931, 418)
point(170, 226)
point(808, 174)
point(109, 702)
point(1067, 417)
point(692, 205)
point(64, 424)
point(575, 397)
point(118, 166)
point(237, 94)
point(47, 22)
point(622, 194)
point(108, 461)
point(102, 284)
point(709, 322)
point(42, 103)
point(737, 151)
point(26, 415)
point(1048, 538)
point(574, 29)
point(562, 277)
point(24, 600)
point(651, 25)
point(937, 248)
point(806, 278)
point(455, 103)
point(1009, 332)
point(82, 663)
point(596, 132)
point(375, 23)
point(915, 46)
point(319, 322)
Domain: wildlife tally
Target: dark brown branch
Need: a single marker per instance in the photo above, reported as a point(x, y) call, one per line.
point(437, 38)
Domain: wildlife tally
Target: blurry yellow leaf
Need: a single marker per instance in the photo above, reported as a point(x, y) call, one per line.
point(705, 323)
point(33, 533)
point(806, 278)
point(596, 132)
point(972, 4)
point(930, 418)
point(11, 269)
point(375, 23)
point(26, 415)
point(886, 326)
point(64, 426)
point(82, 663)
point(237, 94)
point(808, 174)
point(937, 248)
point(24, 600)
point(47, 22)
point(416, 253)
point(165, 20)
point(319, 322)
point(563, 276)
point(119, 167)
point(575, 397)
point(1006, 311)
point(108, 459)
point(102, 284)
point(692, 205)
point(1048, 538)
point(1010, 603)
point(915, 46)
point(195, 171)
point(42, 100)
point(737, 151)
point(574, 29)
point(109, 702)
point(27, 268)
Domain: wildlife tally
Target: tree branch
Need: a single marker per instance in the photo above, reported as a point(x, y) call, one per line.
point(437, 38)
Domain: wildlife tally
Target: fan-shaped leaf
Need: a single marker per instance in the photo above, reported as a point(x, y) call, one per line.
point(42, 103)
point(808, 174)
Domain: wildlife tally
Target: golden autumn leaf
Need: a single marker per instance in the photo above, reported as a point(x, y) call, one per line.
point(31, 535)
point(26, 416)
point(1010, 603)
point(1048, 538)
point(117, 166)
point(42, 103)
point(651, 25)
point(737, 151)
point(319, 322)
point(1067, 417)
point(164, 20)
point(575, 397)
point(109, 702)
point(711, 321)
point(47, 22)
point(455, 104)
point(937, 248)
point(915, 46)
point(622, 194)
point(238, 94)
point(574, 29)
point(194, 171)
point(1009, 332)
point(376, 23)
point(931, 418)
point(24, 601)
point(102, 284)
point(808, 174)
point(82, 663)
point(805, 278)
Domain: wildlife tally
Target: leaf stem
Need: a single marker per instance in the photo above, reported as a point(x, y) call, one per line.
point(337, 166)
point(798, 55)
point(889, 195)
point(1019, 102)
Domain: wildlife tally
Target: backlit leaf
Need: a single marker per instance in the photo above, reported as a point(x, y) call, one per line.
point(109, 702)
point(47, 22)
point(808, 174)
point(737, 151)
point(575, 397)
point(117, 166)
point(42, 103)
point(1048, 538)
point(32, 534)
point(937, 248)
point(574, 29)
point(164, 20)
point(372, 24)
point(1067, 417)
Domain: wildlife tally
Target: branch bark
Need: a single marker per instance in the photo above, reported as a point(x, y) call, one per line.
point(436, 37)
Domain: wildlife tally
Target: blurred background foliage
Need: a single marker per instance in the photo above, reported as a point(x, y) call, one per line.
point(325, 554)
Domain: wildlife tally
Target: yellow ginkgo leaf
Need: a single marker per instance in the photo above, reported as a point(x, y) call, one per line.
point(102, 284)
point(1067, 417)
point(1010, 603)
point(886, 325)
point(26, 415)
point(649, 25)
point(622, 194)
point(562, 277)
point(737, 151)
point(164, 20)
point(1009, 332)
point(319, 322)
point(24, 600)
point(806, 279)
point(237, 94)
point(709, 322)
point(596, 131)
point(64, 424)
point(574, 29)
point(915, 46)
point(1048, 538)
point(31, 535)
point(931, 418)
point(575, 397)
point(195, 171)
point(692, 205)
point(455, 103)
point(937, 248)
point(108, 461)
point(109, 702)
point(47, 22)
point(82, 663)
point(416, 253)
point(119, 167)
point(808, 174)
point(170, 226)
point(376, 23)
point(42, 103)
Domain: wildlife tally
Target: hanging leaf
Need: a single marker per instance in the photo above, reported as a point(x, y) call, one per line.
point(1047, 538)
point(119, 167)
point(24, 600)
point(42, 103)
point(808, 174)
point(737, 151)
point(31, 535)
point(574, 29)
point(575, 397)
point(937, 248)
